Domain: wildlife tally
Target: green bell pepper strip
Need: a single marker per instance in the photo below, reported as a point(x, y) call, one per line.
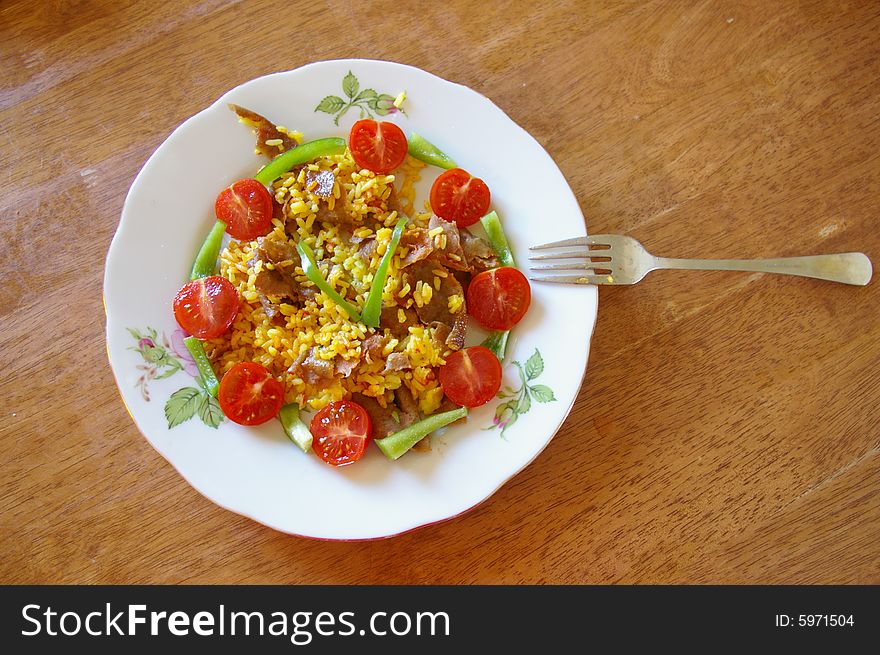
point(423, 150)
point(373, 307)
point(195, 348)
point(497, 239)
point(300, 155)
point(395, 445)
point(206, 260)
point(294, 428)
point(310, 268)
point(497, 341)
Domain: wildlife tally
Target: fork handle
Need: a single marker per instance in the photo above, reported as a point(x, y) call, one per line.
point(848, 267)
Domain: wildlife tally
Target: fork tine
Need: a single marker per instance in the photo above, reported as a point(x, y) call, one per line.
point(571, 279)
point(573, 254)
point(576, 241)
point(566, 266)
point(593, 240)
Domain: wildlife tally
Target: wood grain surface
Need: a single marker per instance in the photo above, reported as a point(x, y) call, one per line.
point(728, 429)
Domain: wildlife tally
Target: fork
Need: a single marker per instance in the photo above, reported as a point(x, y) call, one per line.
point(618, 259)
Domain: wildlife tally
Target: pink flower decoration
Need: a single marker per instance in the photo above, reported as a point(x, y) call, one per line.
point(182, 352)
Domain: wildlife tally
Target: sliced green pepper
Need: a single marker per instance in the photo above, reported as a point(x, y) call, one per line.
point(197, 350)
point(373, 306)
point(300, 155)
point(310, 268)
point(294, 428)
point(423, 150)
point(497, 239)
point(497, 343)
point(395, 445)
point(206, 260)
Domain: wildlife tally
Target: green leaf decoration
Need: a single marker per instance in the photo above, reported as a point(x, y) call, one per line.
point(181, 406)
point(134, 333)
point(542, 393)
point(330, 104)
point(350, 85)
point(534, 365)
point(366, 94)
point(525, 403)
point(209, 410)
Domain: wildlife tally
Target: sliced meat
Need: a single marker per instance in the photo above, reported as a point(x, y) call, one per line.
point(437, 309)
point(478, 253)
point(421, 245)
point(323, 182)
point(336, 216)
point(390, 319)
point(368, 248)
point(373, 346)
point(266, 131)
point(276, 283)
point(312, 369)
point(393, 202)
point(451, 255)
point(397, 362)
point(396, 416)
point(383, 418)
point(345, 367)
point(276, 250)
point(418, 244)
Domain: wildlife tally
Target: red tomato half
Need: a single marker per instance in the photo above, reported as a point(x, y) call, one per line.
point(498, 298)
point(249, 395)
point(246, 208)
point(206, 307)
point(456, 196)
point(471, 377)
point(340, 432)
point(378, 147)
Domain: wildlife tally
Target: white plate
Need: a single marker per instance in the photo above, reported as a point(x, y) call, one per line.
point(257, 472)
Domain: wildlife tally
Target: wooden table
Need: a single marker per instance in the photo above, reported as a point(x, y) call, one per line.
point(729, 426)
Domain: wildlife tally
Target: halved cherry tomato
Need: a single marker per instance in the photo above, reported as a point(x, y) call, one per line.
point(378, 147)
point(206, 307)
point(471, 377)
point(498, 298)
point(246, 208)
point(456, 196)
point(249, 395)
point(340, 432)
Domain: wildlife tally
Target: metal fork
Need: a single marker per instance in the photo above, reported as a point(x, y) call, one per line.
point(618, 259)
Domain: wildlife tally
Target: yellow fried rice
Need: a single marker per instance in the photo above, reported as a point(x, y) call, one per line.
point(318, 322)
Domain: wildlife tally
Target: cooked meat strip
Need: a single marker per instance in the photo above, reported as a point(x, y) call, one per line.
point(336, 216)
point(397, 362)
point(409, 407)
point(478, 253)
point(393, 202)
point(276, 250)
point(421, 245)
point(367, 248)
point(392, 418)
point(437, 309)
point(382, 417)
point(418, 244)
point(345, 367)
point(276, 283)
point(390, 319)
point(312, 369)
point(373, 345)
point(452, 256)
point(323, 181)
point(266, 131)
